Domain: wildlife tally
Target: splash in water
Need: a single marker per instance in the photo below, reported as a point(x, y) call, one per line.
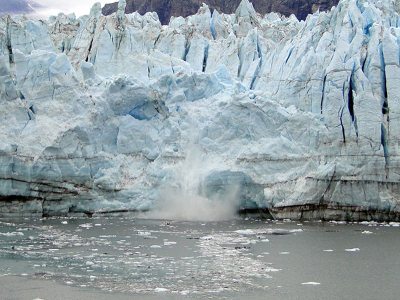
point(188, 201)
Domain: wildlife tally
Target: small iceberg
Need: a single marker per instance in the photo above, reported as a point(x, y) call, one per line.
point(352, 249)
point(311, 283)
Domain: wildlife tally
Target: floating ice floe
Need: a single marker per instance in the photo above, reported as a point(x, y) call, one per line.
point(87, 225)
point(184, 292)
point(169, 243)
point(144, 233)
point(12, 233)
point(245, 231)
point(206, 238)
point(352, 249)
point(311, 283)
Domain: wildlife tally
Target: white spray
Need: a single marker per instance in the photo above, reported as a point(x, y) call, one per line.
point(186, 202)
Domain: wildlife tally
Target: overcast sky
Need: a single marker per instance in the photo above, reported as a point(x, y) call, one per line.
point(79, 7)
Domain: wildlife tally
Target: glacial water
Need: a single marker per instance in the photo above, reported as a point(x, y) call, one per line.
point(232, 259)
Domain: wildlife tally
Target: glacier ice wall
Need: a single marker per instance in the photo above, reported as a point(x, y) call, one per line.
point(301, 119)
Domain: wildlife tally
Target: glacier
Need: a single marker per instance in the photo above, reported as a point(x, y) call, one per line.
point(297, 119)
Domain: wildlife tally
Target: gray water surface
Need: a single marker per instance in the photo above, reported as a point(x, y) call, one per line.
point(233, 259)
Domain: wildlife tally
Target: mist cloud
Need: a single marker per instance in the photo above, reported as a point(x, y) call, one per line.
point(79, 7)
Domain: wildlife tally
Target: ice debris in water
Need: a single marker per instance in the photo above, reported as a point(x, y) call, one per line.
point(144, 233)
point(160, 290)
point(245, 231)
point(112, 261)
point(311, 283)
point(352, 249)
point(208, 237)
point(269, 231)
point(86, 226)
point(11, 233)
point(167, 243)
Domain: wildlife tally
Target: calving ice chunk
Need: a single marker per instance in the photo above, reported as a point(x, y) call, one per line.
point(119, 113)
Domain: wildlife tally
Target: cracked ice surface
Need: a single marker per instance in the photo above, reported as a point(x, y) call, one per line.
point(118, 113)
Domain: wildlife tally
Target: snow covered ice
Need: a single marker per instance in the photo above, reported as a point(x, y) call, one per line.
point(105, 114)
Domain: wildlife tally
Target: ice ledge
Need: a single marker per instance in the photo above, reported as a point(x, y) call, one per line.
point(334, 212)
point(29, 207)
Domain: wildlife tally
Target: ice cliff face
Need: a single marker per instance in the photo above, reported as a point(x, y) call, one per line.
point(111, 113)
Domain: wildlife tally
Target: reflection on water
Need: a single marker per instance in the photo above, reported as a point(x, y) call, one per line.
point(284, 260)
